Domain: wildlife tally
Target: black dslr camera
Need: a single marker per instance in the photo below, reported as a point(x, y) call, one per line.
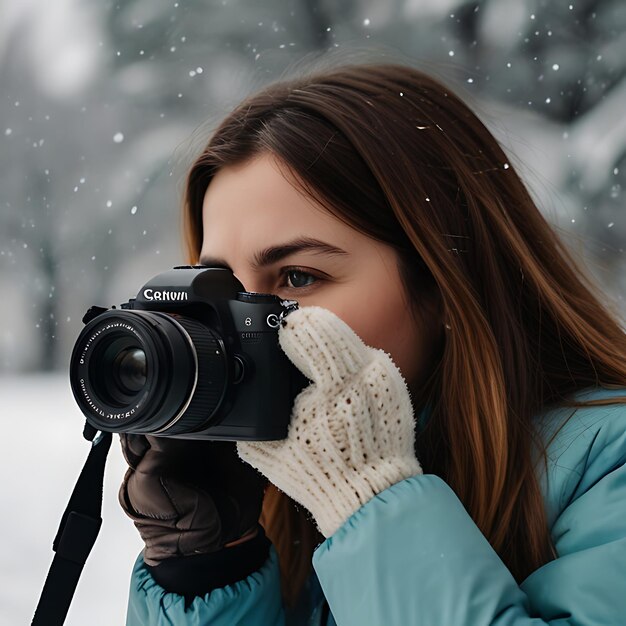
point(193, 356)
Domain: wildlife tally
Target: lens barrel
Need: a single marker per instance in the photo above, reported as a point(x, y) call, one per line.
point(148, 372)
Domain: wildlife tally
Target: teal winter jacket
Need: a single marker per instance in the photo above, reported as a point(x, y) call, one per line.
point(412, 556)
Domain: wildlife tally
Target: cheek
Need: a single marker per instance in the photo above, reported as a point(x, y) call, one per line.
point(384, 321)
point(397, 334)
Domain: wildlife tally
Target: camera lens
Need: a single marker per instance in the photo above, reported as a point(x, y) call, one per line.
point(148, 372)
point(129, 369)
point(117, 370)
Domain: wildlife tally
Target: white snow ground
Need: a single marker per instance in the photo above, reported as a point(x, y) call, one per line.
point(41, 454)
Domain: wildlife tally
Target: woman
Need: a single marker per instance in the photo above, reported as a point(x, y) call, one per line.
point(459, 457)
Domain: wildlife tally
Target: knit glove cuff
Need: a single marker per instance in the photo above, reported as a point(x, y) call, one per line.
point(351, 433)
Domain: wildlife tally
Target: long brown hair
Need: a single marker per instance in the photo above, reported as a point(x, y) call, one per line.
point(397, 155)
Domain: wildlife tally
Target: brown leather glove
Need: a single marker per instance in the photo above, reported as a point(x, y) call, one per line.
point(188, 497)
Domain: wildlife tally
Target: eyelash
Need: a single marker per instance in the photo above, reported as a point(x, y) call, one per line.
point(299, 270)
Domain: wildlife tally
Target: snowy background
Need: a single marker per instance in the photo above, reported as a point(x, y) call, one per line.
point(41, 455)
point(103, 105)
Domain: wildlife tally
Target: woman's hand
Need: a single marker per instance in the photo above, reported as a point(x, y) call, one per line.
point(188, 497)
point(352, 430)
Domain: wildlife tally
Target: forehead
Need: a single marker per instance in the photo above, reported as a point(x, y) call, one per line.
point(253, 204)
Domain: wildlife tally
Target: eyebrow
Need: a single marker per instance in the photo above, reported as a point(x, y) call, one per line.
point(273, 254)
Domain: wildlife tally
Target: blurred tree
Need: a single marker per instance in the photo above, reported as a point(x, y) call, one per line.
point(104, 104)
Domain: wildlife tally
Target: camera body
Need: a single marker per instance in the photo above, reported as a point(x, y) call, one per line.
point(193, 356)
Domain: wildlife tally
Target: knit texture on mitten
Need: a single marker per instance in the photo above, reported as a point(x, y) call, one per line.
point(351, 433)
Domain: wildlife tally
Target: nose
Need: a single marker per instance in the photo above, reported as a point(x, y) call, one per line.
point(250, 284)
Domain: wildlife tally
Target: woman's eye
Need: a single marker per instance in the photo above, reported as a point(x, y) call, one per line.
point(297, 279)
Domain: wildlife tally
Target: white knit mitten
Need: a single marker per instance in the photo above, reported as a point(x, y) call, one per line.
point(352, 429)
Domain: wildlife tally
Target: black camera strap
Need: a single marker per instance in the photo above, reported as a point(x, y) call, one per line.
point(76, 536)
